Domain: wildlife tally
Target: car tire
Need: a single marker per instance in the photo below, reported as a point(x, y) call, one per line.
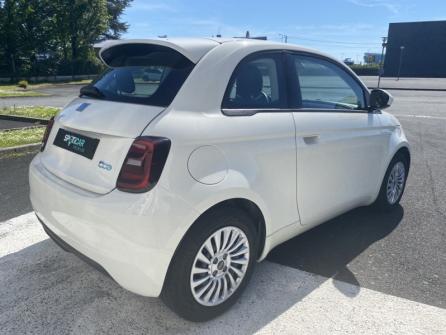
point(393, 184)
point(181, 292)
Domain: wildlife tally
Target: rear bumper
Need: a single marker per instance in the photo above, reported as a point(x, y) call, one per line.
point(69, 248)
point(131, 236)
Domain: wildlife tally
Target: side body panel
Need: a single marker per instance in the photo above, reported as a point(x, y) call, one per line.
point(339, 162)
point(258, 161)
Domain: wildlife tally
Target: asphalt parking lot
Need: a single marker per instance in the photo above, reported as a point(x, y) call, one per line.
point(8, 124)
point(57, 96)
point(363, 272)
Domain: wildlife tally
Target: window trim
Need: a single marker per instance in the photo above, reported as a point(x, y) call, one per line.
point(287, 81)
point(278, 56)
point(253, 111)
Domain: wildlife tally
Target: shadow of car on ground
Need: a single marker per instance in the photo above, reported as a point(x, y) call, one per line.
point(327, 249)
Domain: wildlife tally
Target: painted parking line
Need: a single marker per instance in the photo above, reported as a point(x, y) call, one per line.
point(45, 290)
point(421, 116)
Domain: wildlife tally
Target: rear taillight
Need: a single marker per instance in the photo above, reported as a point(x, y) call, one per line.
point(143, 164)
point(49, 126)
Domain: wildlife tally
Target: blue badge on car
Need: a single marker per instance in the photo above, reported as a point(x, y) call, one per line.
point(82, 106)
point(105, 166)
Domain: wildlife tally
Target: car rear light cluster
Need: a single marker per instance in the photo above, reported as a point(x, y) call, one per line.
point(49, 126)
point(143, 164)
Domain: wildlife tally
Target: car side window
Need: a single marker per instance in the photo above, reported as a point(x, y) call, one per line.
point(324, 85)
point(257, 83)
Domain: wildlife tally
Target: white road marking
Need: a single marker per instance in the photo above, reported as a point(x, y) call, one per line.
point(45, 290)
point(20, 232)
point(421, 116)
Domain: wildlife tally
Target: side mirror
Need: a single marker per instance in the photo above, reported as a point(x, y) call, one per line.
point(380, 99)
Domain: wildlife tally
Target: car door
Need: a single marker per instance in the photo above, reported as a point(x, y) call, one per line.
point(340, 144)
point(259, 135)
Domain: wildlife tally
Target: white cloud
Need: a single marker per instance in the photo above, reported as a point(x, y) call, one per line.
point(392, 7)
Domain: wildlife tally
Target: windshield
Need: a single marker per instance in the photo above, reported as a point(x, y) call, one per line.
point(142, 73)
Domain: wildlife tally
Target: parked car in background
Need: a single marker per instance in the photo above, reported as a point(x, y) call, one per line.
point(349, 61)
point(176, 189)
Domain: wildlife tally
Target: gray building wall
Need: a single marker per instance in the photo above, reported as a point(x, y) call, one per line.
point(424, 52)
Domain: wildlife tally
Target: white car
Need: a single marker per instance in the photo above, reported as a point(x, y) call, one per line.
point(188, 160)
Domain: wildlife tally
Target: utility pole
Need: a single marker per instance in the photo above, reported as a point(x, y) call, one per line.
point(284, 38)
point(401, 61)
point(381, 65)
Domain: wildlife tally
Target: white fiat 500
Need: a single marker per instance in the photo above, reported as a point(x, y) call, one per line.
point(188, 160)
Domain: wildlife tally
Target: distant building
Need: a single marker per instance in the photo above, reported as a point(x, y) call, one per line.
point(416, 49)
point(372, 58)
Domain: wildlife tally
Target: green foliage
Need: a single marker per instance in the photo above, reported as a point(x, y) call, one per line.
point(49, 37)
point(23, 84)
point(115, 8)
point(365, 69)
point(365, 66)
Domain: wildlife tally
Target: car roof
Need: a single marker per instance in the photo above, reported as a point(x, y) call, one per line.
point(195, 48)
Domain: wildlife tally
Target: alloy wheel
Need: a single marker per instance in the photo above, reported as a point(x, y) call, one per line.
point(395, 183)
point(219, 266)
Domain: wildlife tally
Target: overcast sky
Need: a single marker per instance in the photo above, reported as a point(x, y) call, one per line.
point(343, 28)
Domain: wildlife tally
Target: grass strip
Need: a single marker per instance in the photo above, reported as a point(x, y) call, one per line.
point(12, 138)
point(19, 92)
point(43, 112)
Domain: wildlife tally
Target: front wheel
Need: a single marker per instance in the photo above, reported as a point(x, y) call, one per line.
point(212, 265)
point(394, 183)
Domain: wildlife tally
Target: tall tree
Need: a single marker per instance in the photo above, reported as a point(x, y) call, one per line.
point(34, 28)
point(10, 34)
point(116, 27)
point(2, 37)
point(56, 35)
point(81, 22)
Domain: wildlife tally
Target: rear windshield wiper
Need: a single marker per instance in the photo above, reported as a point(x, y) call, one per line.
point(91, 91)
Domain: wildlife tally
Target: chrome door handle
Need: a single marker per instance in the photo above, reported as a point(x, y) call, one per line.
point(311, 139)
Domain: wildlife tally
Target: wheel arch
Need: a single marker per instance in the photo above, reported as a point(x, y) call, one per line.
point(404, 149)
point(249, 207)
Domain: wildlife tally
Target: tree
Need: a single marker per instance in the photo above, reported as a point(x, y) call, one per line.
point(2, 38)
point(82, 22)
point(115, 8)
point(56, 36)
point(10, 34)
point(34, 27)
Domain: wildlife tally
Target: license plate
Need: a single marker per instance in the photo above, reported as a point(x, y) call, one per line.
point(79, 144)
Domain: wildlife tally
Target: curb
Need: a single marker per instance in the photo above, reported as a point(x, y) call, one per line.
point(24, 119)
point(20, 148)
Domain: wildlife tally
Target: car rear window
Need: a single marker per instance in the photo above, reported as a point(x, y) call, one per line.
point(143, 74)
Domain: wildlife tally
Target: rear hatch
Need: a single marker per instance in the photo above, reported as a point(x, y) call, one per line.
point(87, 148)
point(92, 135)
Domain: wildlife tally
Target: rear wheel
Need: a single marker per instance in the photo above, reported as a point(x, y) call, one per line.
point(394, 183)
point(212, 265)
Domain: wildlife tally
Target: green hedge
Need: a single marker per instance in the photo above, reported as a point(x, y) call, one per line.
point(365, 70)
